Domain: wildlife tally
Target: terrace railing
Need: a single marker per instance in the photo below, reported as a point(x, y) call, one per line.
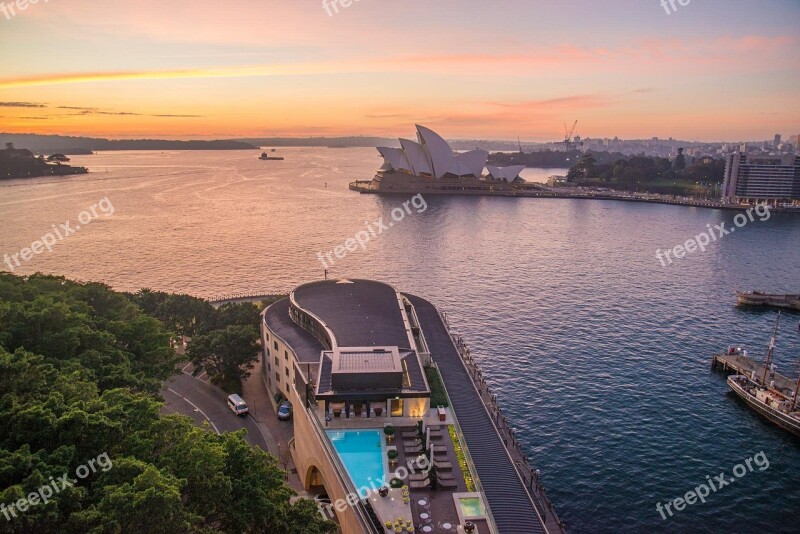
point(341, 474)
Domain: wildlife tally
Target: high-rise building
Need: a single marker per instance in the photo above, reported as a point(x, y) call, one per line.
point(751, 178)
point(777, 140)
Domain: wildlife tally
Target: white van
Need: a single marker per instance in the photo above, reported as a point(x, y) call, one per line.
point(237, 405)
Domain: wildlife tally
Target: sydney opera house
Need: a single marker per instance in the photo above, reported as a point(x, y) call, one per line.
point(429, 164)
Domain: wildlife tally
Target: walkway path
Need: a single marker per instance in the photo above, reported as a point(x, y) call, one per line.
point(511, 506)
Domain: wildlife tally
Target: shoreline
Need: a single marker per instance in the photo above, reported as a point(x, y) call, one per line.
point(544, 194)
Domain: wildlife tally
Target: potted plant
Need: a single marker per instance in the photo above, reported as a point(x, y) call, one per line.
point(383, 492)
point(389, 431)
point(469, 527)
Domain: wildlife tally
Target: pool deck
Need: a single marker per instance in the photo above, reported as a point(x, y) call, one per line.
point(508, 497)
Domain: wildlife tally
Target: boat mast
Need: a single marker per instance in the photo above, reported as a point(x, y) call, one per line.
point(796, 389)
point(768, 361)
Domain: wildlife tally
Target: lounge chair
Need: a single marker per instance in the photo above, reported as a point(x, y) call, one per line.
point(413, 450)
point(446, 484)
point(423, 484)
point(424, 476)
point(407, 435)
point(443, 466)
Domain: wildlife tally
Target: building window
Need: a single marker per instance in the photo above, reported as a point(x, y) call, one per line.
point(267, 351)
point(286, 370)
point(287, 389)
point(275, 344)
point(286, 354)
point(277, 363)
point(267, 336)
point(269, 367)
point(277, 377)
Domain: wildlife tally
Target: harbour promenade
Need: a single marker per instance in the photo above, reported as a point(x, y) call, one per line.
point(515, 497)
point(543, 192)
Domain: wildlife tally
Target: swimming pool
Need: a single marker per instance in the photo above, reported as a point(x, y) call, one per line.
point(361, 453)
point(472, 507)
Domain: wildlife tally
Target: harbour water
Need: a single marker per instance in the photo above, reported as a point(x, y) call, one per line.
point(599, 354)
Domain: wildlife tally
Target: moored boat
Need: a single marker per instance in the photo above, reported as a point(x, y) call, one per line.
point(757, 298)
point(767, 402)
point(267, 157)
point(778, 404)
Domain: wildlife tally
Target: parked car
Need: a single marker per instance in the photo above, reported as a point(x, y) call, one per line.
point(285, 411)
point(237, 405)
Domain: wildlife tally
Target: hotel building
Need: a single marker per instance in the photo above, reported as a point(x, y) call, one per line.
point(753, 178)
point(357, 356)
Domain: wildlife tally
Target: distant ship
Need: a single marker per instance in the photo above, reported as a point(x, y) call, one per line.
point(756, 298)
point(267, 157)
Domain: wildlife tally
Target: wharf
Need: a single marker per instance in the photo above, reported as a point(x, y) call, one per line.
point(744, 365)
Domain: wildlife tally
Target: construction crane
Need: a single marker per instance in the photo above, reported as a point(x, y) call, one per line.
point(568, 133)
point(569, 143)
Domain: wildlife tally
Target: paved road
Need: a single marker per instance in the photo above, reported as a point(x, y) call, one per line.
point(202, 401)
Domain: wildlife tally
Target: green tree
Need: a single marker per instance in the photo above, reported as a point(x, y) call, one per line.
point(680, 161)
point(186, 315)
point(230, 353)
point(80, 367)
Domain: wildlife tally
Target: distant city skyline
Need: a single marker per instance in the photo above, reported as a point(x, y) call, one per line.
point(469, 69)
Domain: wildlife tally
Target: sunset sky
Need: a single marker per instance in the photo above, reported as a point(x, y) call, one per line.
point(712, 70)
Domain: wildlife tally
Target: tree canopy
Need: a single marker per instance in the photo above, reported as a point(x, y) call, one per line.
point(80, 370)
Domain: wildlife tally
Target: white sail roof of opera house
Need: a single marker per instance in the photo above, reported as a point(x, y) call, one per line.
point(509, 173)
point(432, 156)
point(419, 159)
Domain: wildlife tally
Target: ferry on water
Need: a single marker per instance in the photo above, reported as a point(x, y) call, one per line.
point(267, 157)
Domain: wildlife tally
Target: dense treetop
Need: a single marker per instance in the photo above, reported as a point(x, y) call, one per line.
point(80, 370)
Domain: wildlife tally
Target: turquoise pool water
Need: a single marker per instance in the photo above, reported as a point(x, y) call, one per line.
point(471, 507)
point(362, 456)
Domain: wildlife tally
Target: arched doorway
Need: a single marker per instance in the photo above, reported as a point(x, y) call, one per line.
point(315, 486)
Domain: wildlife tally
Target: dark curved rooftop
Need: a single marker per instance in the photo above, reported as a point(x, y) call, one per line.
point(360, 313)
point(304, 345)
